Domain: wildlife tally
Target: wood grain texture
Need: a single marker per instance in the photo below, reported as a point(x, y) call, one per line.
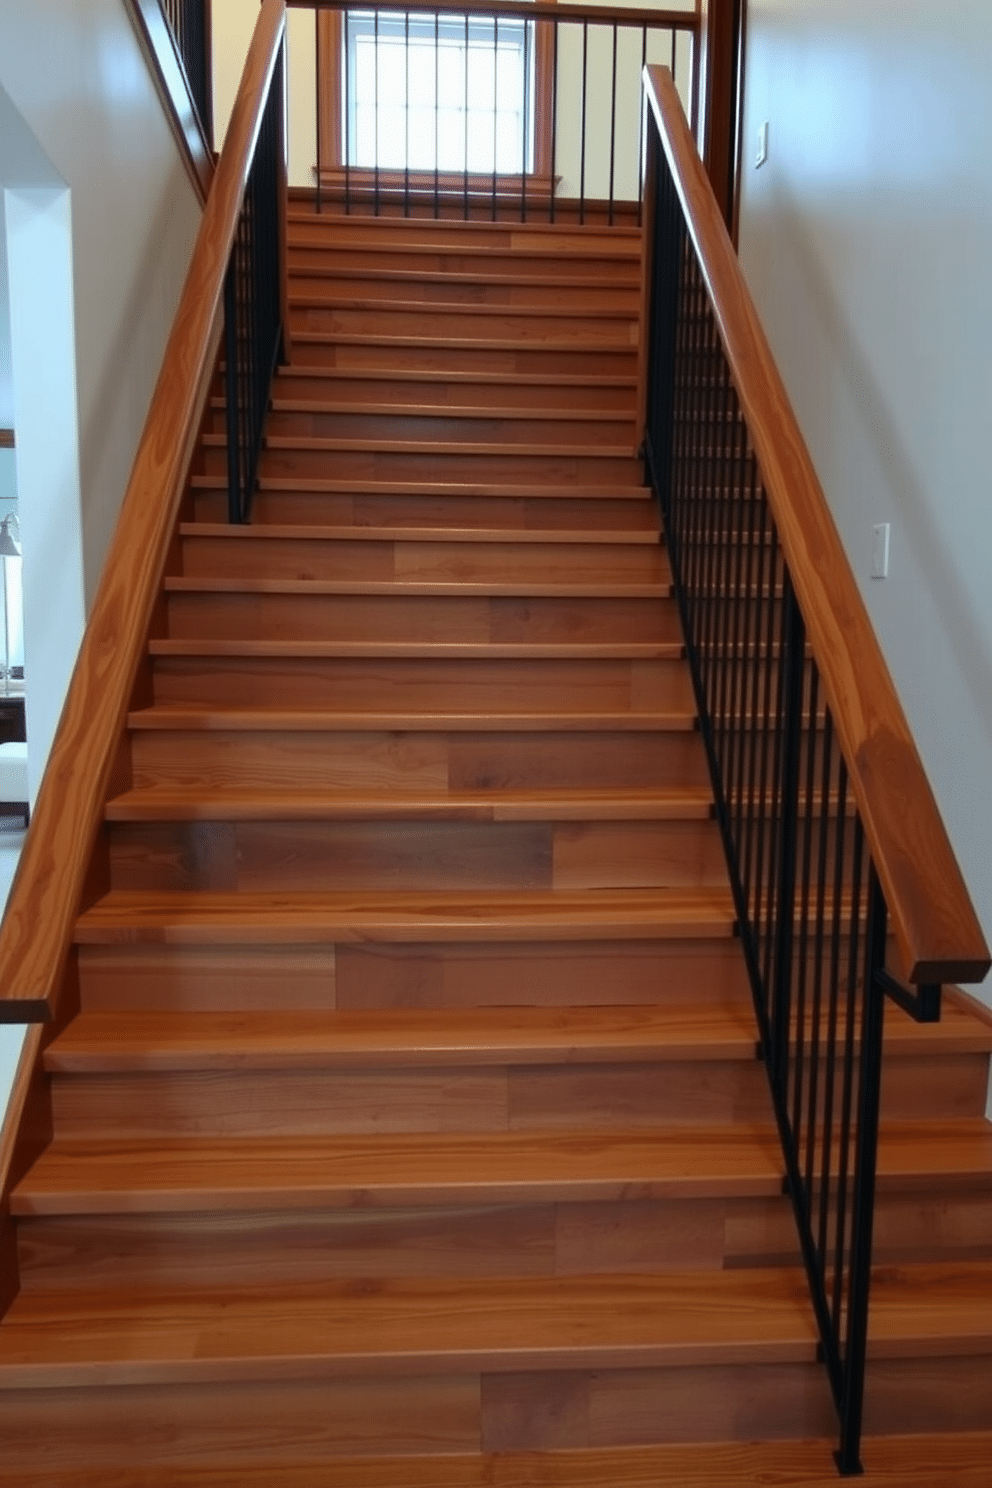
point(70, 803)
point(907, 1461)
point(169, 75)
point(935, 923)
point(669, 1320)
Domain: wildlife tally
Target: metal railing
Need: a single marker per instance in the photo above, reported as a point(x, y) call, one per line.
point(253, 304)
point(189, 21)
point(810, 908)
point(542, 119)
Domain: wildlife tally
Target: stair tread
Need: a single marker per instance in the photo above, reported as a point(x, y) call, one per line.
point(313, 301)
point(314, 720)
point(459, 277)
point(513, 491)
point(493, 650)
point(316, 918)
point(130, 1175)
point(915, 1461)
point(388, 1326)
point(264, 1040)
point(572, 346)
point(554, 536)
point(503, 589)
point(172, 803)
point(313, 444)
point(502, 414)
point(461, 376)
point(437, 1170)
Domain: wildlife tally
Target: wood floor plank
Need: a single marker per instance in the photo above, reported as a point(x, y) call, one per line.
point(208, 1175)
point(341, 917)
point(665, 1321)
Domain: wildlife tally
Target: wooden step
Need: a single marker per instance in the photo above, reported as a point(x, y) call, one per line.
point(312, 919)
point(916, 1461)
point(407, 422)
point(507, 1326)
point(563, 326)
point(299, 979)
point(206, 1175)
point(403, 557)
point(421, 461)
point(386, 387)
point(367, 759)
point(381, 854)
point(484, 285)
point(243, 612)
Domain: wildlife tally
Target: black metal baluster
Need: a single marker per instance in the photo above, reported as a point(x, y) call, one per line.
point(319, 94)
point(873, 1004)
point(803, 958)
point(791, 667)
point(465, 161)
point(526, 122)
point(830, 1061)
point(375, 115)
point(846, 1100)
point(645, 125)
point(437, 91)
point(613, 119)
point(585, 82)
point(554, 120)
point(406, 114)
point(495, 102)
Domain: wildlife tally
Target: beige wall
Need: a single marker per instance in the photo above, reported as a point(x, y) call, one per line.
point(867, 241)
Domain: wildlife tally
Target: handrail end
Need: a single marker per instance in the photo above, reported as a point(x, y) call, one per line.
point(16, 1010)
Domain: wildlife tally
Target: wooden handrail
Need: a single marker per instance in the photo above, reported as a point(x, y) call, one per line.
point(540, 10)
point(938, 933)
point(157, 42)
point(49, 884)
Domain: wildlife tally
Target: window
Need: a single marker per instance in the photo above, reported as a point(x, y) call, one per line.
point(435, 96)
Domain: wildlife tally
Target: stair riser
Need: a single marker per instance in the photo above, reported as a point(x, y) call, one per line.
point(474, 429)
point(335, 233)
point(232, 557)
point(361, 977)
point(390, 855)
point(320, 1420)
point(434, 1099)
point(434, 762)
point(310, 288)
point(442, 466)
point(615, 330)
point(488, 354)
point(74, 1253)
point(497, 259)
point(534, 514)
point(383, 390)
point(489, 620)
point(448, 685)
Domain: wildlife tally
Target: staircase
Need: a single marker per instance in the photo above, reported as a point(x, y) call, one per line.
point(412, 1121)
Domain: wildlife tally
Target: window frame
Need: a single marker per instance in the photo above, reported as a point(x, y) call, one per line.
point(334, 171)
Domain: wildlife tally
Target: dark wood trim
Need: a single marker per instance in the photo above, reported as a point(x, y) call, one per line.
point(52, 874)
point(158, 45)
point(6, 439)
point(547, 10)
point(716, 132)
point(931, 913)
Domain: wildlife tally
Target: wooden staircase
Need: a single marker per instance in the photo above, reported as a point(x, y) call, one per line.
point(412, 1122)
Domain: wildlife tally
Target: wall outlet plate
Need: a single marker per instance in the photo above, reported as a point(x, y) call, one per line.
point(880, 551)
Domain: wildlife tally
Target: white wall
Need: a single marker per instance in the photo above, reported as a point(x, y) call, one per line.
point(867, 242)
point(78, 88)
point(76, 75)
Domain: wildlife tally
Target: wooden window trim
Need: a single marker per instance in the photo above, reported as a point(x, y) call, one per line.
point(330, 42)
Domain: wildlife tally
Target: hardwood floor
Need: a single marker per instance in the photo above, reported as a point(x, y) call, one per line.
point(411, 1129)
